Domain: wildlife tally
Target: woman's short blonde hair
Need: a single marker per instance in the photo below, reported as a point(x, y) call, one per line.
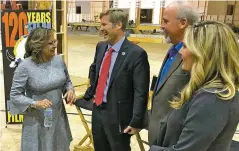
point(215, 52)
point(36, 41)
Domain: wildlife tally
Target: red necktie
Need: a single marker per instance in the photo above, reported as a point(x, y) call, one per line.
point(103, 78)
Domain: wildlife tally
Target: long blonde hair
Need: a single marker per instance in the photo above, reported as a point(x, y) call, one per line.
point(215, 52)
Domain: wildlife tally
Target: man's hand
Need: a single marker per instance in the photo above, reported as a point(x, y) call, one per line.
point(70, 97)
point(131, 130)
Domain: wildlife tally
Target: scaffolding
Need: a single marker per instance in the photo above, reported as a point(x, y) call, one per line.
point(226, 12)
point(86, 11)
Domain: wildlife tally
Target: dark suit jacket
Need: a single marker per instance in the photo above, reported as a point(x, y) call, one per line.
point(172, 84)
point(204, 123)
point(129, 84)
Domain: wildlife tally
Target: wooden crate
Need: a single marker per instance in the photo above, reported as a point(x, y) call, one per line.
point(228, 18)
point(228, 21)
point(221, 18)
point(214, 17)
point(208, 17)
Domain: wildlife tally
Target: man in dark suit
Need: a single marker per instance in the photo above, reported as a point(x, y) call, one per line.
point(119, 86)
point(176, 18)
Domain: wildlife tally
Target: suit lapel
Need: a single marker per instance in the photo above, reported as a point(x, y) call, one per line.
point(157, 82)
point(101, 55)
point(173, 67)
point(120, 58)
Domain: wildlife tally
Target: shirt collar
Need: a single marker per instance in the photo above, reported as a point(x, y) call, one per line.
point(118, 45)
point(178, 46)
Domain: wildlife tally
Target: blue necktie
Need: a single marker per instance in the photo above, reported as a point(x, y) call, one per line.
point(172, 52)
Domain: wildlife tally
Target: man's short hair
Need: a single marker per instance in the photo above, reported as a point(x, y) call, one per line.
point(116, 16)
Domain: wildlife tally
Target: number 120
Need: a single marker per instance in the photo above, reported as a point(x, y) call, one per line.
point(17, 22)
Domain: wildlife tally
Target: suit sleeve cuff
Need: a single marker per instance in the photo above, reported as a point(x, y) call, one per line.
point(135, 123)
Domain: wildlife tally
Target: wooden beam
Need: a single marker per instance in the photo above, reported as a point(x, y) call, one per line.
point(64, 30)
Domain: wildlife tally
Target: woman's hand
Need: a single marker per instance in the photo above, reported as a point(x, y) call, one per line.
point(70, 97)
point(43, 104)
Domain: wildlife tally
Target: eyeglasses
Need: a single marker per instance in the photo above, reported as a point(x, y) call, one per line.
point(52, 42)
